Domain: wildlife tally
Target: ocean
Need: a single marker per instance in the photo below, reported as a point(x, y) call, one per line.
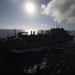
point(7, 32)
point(72, 33)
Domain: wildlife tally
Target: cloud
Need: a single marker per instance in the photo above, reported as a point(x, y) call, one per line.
point(44, 25)
point(61, 10)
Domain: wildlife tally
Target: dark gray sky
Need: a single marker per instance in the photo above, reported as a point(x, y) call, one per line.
point(13, 15)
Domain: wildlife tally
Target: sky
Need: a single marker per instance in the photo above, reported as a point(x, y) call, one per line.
point(48, 13)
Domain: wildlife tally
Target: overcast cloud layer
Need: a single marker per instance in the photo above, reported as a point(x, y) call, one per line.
point(61, 10)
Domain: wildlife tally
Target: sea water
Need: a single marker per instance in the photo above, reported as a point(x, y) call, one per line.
point(8, 32)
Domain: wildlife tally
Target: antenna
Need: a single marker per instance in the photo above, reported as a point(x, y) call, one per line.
point(15, 32)
point(53, 26)
point(56, 24)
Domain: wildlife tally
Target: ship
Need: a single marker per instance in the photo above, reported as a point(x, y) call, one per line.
point(22, 40)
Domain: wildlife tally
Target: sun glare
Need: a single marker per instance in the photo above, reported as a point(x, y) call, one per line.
point(29, 7)
point(29, 31)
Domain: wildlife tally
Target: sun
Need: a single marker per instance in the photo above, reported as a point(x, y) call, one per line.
point(30, 8)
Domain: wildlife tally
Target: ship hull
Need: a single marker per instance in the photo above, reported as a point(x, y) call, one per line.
point(32, 43)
